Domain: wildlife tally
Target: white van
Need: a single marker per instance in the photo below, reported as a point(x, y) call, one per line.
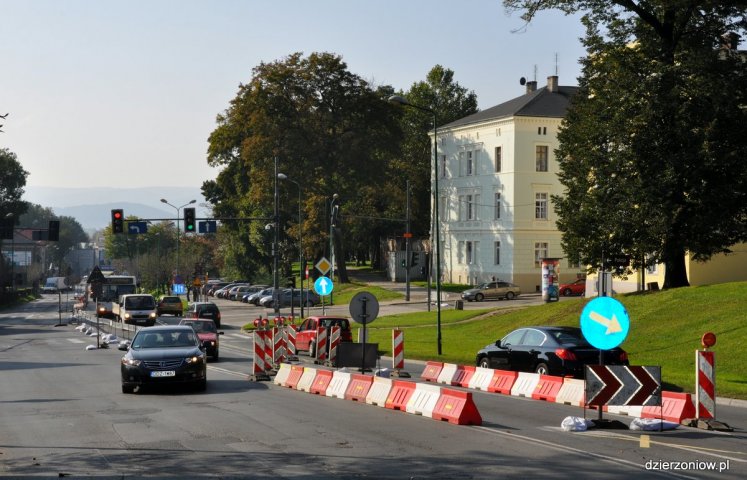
point(136, 309)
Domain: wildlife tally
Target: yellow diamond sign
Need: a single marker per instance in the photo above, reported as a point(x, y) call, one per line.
point(323, 266)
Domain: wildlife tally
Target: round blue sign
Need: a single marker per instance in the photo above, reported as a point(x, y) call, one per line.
point(605, 323)
point(323, 286)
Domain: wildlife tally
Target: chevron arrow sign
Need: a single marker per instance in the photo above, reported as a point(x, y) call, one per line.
point(620, 385)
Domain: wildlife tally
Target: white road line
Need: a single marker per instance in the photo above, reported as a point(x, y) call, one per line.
point(76, 340)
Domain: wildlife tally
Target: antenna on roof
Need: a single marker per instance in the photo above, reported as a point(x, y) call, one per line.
point(535, 72)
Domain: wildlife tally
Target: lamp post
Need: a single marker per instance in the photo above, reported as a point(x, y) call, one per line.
point(163, 200)
point(396, 99)
point(283, 176)
point(334, 212)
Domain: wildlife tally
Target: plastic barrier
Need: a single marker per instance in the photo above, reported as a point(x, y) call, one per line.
point(629, 410)
point(334, 342)
point(572, 392)
point(321, 345)
point(290, 335)
point(399, 395)
point(321, 382)
point(269, 348)
point(398, 349)
point(423, 400)
point(548, 387)
point(260, 361)
point(675, 407)
point(525, 384)
point(432, 371)
point(379, 391)
point(447, 373)
point(307, 379)
point(294, 377)
point(282, 376)
point(462, 376)
point(502, 381)
point(358, 388)
point(481, 379)
point(278, 351)
point(338, 385)
point(457, 407)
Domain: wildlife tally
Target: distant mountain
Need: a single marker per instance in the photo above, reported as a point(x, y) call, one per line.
point(91, 207)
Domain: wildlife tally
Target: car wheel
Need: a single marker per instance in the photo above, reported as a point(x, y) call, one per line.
point(510, 296)
point(484, 363)
point(127, 389)
point(312, 349)
point(567, 292)
point(542, 369)
point(479, 297)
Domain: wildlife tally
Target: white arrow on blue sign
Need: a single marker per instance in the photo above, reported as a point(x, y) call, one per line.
point(137, 227)
point(323, 286)
point(605, 323)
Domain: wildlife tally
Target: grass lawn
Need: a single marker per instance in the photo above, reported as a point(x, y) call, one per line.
point(665, 330)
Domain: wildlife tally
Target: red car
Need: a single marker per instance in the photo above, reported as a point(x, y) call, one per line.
point(576, 288)
point(207, 333)
point(306, 335)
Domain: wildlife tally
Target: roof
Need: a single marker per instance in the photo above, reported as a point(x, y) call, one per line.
point(539, 103)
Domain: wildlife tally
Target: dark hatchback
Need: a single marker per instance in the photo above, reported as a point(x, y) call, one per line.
point(559, 351)
point(163, 355)
point(207, 310)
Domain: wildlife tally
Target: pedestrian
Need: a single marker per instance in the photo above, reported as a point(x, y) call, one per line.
point(187, 293)
point(492, 278)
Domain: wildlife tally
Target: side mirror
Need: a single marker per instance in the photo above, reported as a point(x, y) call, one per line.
point(498, 344)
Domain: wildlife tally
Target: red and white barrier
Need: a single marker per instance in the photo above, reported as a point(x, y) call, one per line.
point(705, 384)
point(338, 385)
point(463, 376)
point(629, 410)
point(294, 377)
point(261, 363)
point(675, 407)
point(432, 371)
point(502, 381)
point(307, 379)
point(321, 382)
point(399, 395)
point(423, 400)
point(447, 373)
point(547, 388)
point(379, 391)
point(334, 342)
point(278, 351)
point(358, 387)
point(457, 407)
point(321, 345)
point(398, 349)
point(481, 379)
point(572, 392)
point(290, 338)
point(269, 348)
point(525, 384)
point(283, 373)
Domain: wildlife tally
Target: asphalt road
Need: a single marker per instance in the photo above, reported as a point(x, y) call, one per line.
point(63, 413)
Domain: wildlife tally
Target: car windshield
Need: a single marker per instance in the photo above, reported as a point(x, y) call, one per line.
point(569, 338)
point(202, 327)
point(139, 303)
point(169, 338)
point(329, 322)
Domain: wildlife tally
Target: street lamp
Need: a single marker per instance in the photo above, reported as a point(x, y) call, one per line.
point(163, 200)
point(396, 99)
point(283, 176)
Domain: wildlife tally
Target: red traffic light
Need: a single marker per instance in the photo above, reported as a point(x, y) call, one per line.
point(117, 215)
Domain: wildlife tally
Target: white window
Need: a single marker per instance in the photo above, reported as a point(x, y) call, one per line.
point(461, 164)
point(443, 212)
point(460, 252)
point(470, 207)
point(470, 163)
point(498, 159)
point(470, 254)
point(497, 253)
point(541, 158)
point(442, 167)
point(540, 252)
point(540, 206)
point(497, 206)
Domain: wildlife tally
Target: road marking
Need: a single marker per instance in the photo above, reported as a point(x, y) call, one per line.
point(228, 372)
point(76, 340)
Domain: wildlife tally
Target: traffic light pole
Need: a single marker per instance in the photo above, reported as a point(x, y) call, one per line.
point(407, 246)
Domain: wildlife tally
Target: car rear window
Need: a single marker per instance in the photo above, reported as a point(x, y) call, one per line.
point(341, 322)
point(569, 338)
point(171, 300)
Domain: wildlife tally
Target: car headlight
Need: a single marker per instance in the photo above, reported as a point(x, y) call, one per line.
point(127, 316)
point(196, 360)
point(153, 315)
point(102, 309)
point(131, 362)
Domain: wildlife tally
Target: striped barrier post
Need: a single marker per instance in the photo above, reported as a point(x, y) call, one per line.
point(278, 351)
point(260, 367)
point(705, 384)
point(290, 340)
point(334, 341)
point(321, 345)
point(398, 354)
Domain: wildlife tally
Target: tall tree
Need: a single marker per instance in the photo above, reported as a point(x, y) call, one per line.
point(12, 182)
point(651, 152)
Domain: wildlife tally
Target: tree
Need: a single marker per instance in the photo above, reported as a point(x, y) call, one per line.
point(651, 152)
point(12, 181)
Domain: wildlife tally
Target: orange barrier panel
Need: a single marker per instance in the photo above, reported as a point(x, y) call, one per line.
point(502, 382)
point(321, 382)
point(548, 387)
point(463, 376)
point(358, 388)
point(457, 407)
point(675, 407)
point(431, 372)
point(399, 395)
point(294, 376)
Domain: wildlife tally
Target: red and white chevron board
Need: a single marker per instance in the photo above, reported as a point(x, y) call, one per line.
point(278, 351)
point(705, 384)
point(621, 385)
point(260, 365)
point(334, 341)
point(269, 347)
point(321, 344)
point(290, 339)
point(398, 349)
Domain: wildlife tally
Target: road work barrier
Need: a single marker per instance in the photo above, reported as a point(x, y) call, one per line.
point(432, 371)
point(462, 376)
point(447, 374)
point(481, 379)
point(321, 382)
point(525, 384)
point(334, 342)
point(547, 388)
point(705, 384)
point(675, 407)
point(283, 373)
point(358, 387)
point(278, 350)
point(261, 360)
point(338, 385)
point(457, 407)
point(307, 379)
point(572, 392)
point(290, 335)
point(379, 391)
point(423, 400)
point(294, 377)
point(399, 395)
point(398, 354)
point(502, 381)
point(321, 345)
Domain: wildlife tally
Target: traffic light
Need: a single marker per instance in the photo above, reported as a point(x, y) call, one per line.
point(54, 231)
point(117, 220)
point(404, 263)
point(6, 228)
point(415, 257)
point(189, 220)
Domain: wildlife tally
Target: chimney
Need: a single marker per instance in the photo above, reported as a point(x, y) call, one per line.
point(552, 84)
point(531, 86)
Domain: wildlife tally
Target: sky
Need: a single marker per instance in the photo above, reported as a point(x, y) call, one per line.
point(104, 93)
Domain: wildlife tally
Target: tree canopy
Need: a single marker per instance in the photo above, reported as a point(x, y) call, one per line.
point(12, 181)
point(652, 150)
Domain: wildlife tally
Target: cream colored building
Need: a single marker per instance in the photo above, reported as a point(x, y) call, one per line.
point(497, 172)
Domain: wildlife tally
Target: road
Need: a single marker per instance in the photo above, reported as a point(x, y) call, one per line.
point(63, 413)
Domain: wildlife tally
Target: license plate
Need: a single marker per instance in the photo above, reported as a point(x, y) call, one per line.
point(164, 373)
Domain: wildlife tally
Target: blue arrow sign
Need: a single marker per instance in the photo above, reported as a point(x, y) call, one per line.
point(209, 226)
point(605, 323)
point(323, 286)
point(137, 227)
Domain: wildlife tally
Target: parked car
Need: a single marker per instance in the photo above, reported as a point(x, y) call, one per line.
point(207, 333)
point(237, 292)
point(575, 288)
point(489, 290)
point(169, 304)
point(256, 297)
point(308, 298)
point(207, 310)
point(163, 355)
point(306, 334)
point(560, 351)
point(251, 291)
point(221, 292)
point(214, 287)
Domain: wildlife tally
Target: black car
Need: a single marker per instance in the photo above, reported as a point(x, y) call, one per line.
point(560, 351)
point(163, 355)
point(204, 310)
